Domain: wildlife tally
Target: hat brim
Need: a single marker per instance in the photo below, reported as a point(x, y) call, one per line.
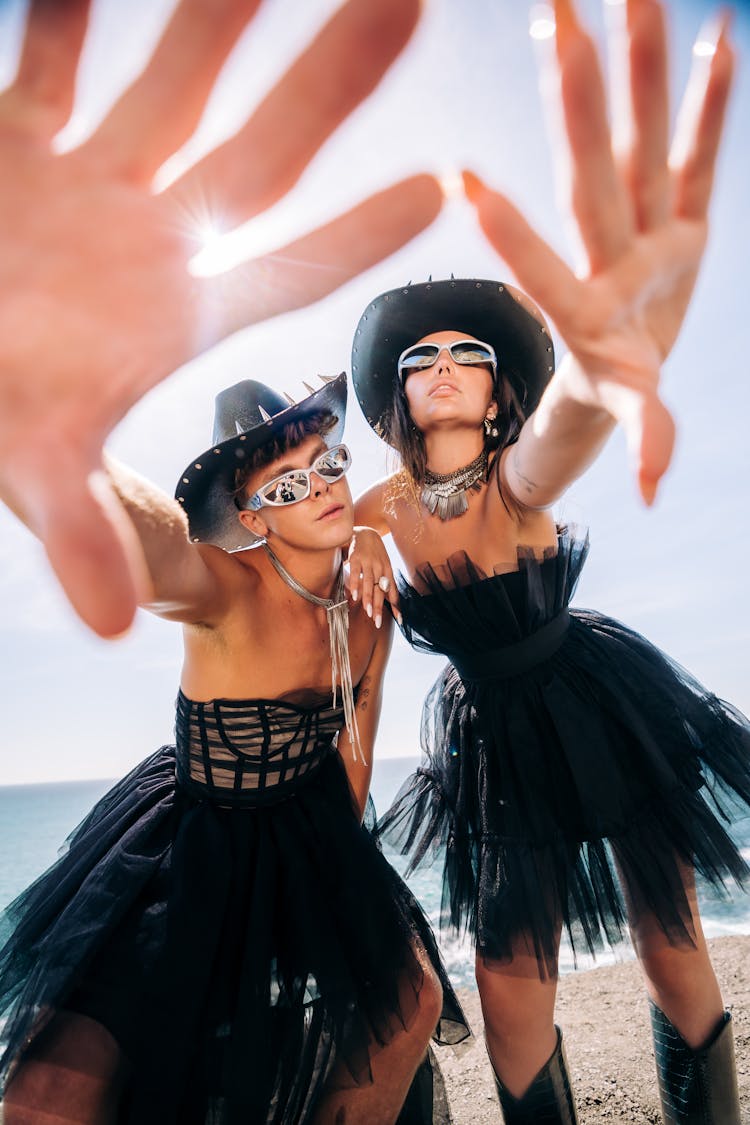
point(492, 311)
point(206, 487)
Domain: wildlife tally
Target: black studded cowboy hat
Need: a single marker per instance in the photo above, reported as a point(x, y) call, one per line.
point(247, 416)
point(491, 311)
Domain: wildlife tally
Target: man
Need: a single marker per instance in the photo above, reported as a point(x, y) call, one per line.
point(223, 940)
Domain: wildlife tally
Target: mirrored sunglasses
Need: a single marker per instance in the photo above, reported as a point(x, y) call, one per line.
point(293, 486)
point(467, 352)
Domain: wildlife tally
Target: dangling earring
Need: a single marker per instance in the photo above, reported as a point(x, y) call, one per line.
point(490, 428)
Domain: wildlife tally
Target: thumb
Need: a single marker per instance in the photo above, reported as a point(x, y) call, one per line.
point(655, 447)
point(93, 549)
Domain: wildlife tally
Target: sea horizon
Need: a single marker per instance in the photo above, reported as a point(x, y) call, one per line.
point(36, 818)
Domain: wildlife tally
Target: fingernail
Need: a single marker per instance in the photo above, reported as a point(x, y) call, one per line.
point(648, 491)
point(369, 610)
point(355, 595)
point(378, 621)
point(399, 618)
point(473, 186)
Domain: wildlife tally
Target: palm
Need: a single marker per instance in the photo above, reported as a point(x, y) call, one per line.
point(96, 301)
point(640, 213)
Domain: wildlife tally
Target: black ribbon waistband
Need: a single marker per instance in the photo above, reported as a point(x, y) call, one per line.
point(514, 659)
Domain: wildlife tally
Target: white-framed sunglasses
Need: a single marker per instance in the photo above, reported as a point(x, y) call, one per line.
point(293, 486)
point(467, 352)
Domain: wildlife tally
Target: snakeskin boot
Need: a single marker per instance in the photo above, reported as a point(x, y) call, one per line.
point(548, 1100)
point(695, 1087)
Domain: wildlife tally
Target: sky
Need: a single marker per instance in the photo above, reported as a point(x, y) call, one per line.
point(464, 93)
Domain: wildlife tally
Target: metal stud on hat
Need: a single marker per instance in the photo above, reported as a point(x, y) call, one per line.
point(487, 310)
point(248, 415)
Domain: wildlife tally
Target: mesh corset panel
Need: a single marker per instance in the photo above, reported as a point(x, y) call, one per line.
point(251, 751)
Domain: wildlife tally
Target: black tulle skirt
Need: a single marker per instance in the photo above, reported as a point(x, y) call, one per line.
point(240, 959)
point(570, 761)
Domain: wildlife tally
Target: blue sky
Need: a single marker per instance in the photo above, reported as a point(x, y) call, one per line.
point(464, 92)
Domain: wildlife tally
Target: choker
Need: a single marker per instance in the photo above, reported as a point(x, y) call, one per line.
point(444, 494)
point(337, 613)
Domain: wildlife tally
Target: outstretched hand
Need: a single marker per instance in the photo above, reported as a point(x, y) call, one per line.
point(97, 304)
point(641, 212)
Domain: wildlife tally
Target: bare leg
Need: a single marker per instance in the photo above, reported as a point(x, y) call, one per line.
point(72, 1075)
point(679, 978)
point(518, 1010)
point(393, 1066)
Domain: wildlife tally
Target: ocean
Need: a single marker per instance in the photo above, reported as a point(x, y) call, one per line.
point(35, 820)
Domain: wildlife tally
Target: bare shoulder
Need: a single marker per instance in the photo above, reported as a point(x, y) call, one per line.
point(228, 576)
point(370, 509)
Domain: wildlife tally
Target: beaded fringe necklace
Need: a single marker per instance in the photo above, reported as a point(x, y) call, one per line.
point(444, 494)
point(337, 614)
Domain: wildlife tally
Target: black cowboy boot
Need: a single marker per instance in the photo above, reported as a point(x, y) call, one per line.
point(548, 1100)
point(696, 1087)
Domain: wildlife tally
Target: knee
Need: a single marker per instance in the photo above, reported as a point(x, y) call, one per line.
point(673, 971)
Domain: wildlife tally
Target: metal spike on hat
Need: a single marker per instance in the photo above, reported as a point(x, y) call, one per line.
point(310, 390)
point(238, 427)
point(264, 414)
point(327, 378)
point(289, 399)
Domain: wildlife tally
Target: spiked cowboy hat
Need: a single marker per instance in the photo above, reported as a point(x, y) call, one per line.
point(247, 415)
point(492, 311)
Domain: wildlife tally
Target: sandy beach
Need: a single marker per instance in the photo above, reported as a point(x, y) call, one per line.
point(604, 1016)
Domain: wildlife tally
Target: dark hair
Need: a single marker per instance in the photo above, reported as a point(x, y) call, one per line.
point(408, 442)
point(293, 434)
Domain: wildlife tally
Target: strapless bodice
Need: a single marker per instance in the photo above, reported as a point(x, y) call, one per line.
point(497, 625)
point(251, 751)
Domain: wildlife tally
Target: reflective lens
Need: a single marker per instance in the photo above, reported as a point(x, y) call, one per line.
point(468, 352)
point(294, 486)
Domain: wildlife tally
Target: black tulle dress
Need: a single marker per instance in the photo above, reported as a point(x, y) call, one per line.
point(222, 914)
point(559, 746)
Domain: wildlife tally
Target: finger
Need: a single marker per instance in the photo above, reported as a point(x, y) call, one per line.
point(644, 140)
point(91, 546)
point(162, 108)
point(378, 598)
point(354, 581)
point(701, 121)
point(315, 265)
point(656, 447)
point(649, 431)
point(391, 593)
point(540, 272)
point(338, 70)
point(44, 86)
point(368, 591)
point(598, 199)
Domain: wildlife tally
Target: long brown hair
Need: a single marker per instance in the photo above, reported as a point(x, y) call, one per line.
point(408, 441)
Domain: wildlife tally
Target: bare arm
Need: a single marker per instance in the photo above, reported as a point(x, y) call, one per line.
point(179, 579)
point(557, 443)
point(369, 702)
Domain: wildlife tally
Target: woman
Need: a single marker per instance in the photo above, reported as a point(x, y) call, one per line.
point(222, 940)
point(575, 776)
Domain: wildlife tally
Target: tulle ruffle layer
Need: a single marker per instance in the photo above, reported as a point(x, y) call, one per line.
point(236, 956)
point(536, 787)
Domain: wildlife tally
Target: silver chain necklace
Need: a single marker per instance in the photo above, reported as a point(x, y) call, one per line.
point(337, 614)
point(444, 494)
